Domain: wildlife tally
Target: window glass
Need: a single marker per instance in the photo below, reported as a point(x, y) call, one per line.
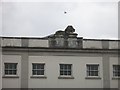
point(38, 69)
point(92, 70)
point(116, 70)
point(10, 68)
point(65, 69)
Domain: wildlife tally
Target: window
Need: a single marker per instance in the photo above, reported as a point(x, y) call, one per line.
point(66, 69)
point(92, 70)
point(10, 68)
point(116, 70)
point(38, 69)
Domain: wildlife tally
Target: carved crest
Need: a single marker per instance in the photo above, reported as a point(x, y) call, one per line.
point(69, 30)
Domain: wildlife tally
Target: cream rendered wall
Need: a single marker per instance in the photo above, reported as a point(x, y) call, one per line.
point(12, 82)
point(11, 42)
point(113, 44)
point(92, 44)
point(38, 43)
point(52, 72)
point(113, 81)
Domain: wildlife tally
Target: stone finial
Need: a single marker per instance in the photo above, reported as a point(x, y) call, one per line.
point(69, 30)
point(68, 33)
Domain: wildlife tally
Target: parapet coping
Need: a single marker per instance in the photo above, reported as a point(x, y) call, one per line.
point(44, 38)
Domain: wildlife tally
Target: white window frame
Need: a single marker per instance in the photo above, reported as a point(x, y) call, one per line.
point(40, 69)
point(87, 75)
point(115, 71)
point(66, 75)
point(11, 69)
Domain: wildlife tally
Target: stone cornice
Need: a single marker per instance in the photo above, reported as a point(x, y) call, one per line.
point(63, 50)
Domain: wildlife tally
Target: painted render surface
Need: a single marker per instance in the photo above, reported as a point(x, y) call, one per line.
point(45, 43)
point(38, 43)
point(11, 42)
point(113, 81)
point(92, 44)
point(113, 45)
point(12, 81)
point(52, 72)
point(0, 64)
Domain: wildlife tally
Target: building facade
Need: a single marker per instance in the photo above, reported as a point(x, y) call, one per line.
point(61, 60)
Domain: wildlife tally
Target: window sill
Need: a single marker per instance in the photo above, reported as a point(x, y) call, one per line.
point(40, 77)
point(92, 77)
point(116, 78)
point(63, 77)
point(9, 76)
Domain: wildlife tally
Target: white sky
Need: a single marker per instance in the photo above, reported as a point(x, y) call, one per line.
point(98, 19)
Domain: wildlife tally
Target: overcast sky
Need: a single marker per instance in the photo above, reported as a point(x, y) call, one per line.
point(39, 19)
